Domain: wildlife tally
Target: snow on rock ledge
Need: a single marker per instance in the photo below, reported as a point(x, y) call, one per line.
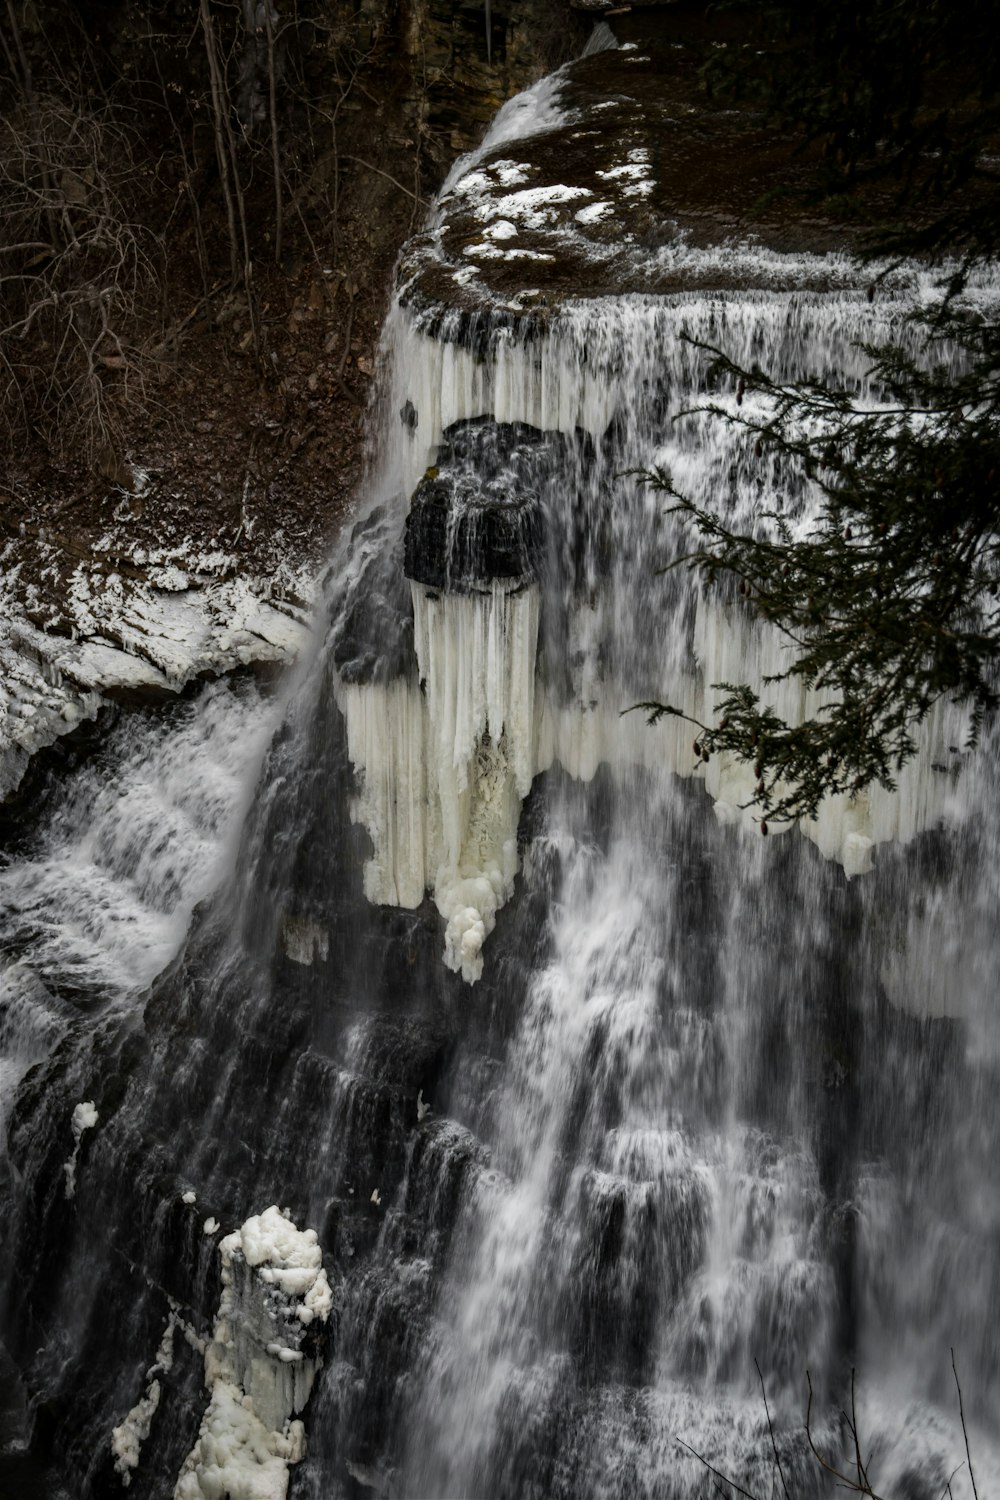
point(261, 1363)
point(130, 639)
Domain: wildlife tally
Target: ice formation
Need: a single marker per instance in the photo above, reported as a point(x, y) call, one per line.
point(447, 762)
point(84, 1117)
point(305, 941)
point(261, 1363)
point(476, 655)
point(128, 1437)
point(446, 750)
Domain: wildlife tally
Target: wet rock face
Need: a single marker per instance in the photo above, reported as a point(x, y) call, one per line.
point(478, 516)
point(333, 1074)
point(466, 59)
point(372, 630)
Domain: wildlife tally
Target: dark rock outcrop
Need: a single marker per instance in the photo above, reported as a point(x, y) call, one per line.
point(478, 515)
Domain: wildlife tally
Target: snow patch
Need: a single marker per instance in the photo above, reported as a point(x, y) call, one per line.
point(142, 636)
point(633, 175)
point(483, 250)
point(502, 229)
point(531, 208)
point(594, 213)
point(511, 173)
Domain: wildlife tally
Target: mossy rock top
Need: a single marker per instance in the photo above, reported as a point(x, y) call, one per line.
point(632, 180)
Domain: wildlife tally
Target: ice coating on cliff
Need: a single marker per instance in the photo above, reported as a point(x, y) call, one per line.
point(447, 744)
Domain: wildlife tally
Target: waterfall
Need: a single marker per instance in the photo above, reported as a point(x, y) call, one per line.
point(607, 388)
point(460, 1097)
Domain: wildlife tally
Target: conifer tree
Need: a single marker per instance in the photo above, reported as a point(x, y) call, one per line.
point(889, 596)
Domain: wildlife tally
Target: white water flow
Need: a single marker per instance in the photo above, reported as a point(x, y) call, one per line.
point(677, 1188)
point(732, 1125)
point(100, 901)
point(560, 1109)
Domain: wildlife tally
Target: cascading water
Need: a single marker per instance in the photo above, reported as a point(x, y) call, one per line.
point(514, 1110)
point(99, 899)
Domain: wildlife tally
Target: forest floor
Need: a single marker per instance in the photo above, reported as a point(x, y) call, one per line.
point(248, 458)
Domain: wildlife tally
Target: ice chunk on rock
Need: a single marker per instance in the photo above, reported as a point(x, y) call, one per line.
point(84, 1117)
point(261, 1363)
point(128, 1437)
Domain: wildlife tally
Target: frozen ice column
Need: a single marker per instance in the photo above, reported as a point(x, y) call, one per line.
point(473, 542)
point(261, 1363)
point(476, 655)
point(444, 743)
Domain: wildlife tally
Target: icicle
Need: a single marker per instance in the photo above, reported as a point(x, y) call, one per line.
point(444, 768)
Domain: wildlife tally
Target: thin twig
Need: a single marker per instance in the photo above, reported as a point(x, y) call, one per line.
point(961, 1413)
point(218, 119)
point(370, 167)
point(947, 1484)
point(862, 1475)
point(176, 329)
point(347, 338)
point(770, 1428)
point(716, 1472)
point(275, 154)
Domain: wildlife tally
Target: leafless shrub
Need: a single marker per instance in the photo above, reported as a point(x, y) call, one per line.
point(77, 275)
